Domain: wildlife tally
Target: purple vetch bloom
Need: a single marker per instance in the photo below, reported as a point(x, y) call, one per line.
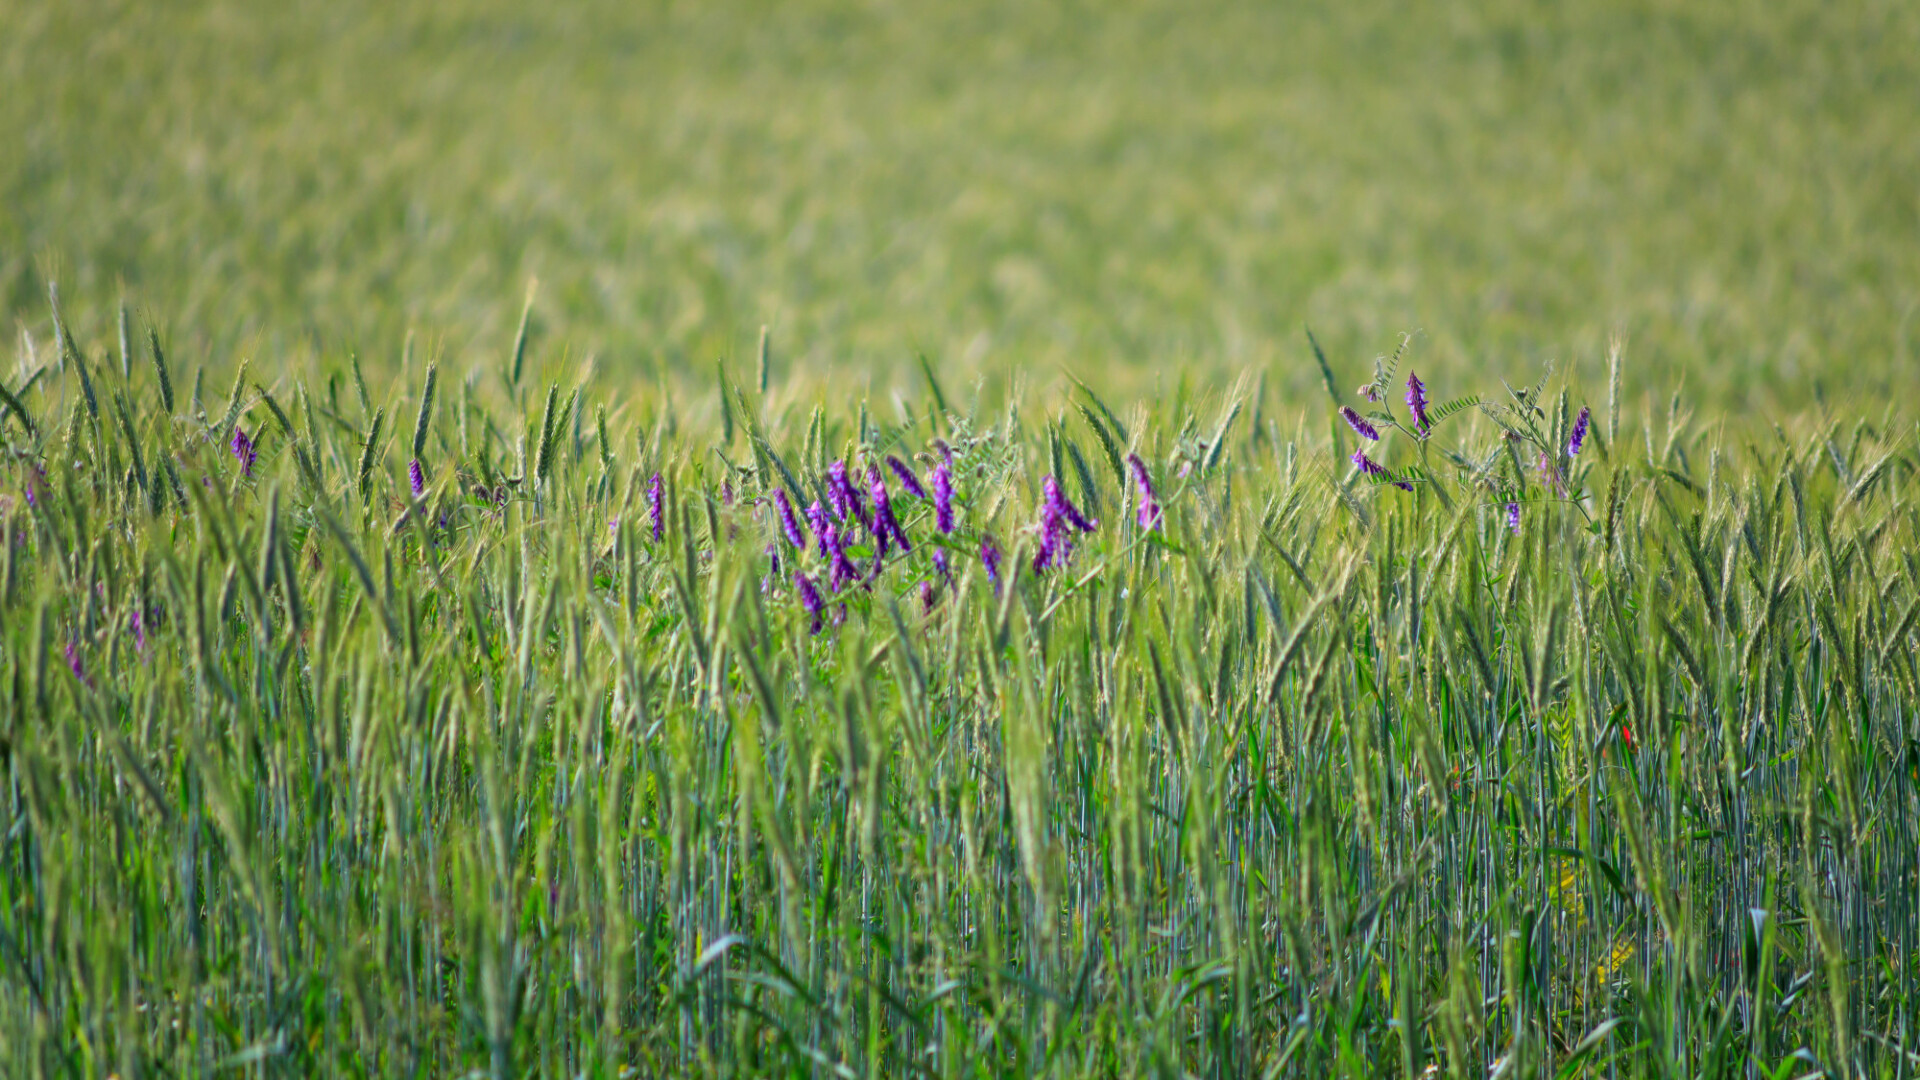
point(907, 479)
point(809, 598)
point(1417, 401)
point(1056, 514)
point(1513, 517)
point(1148, 513)
point(940, 563)
point(840, 570)
point(1373, 468)
point(416, 477)
point(1359, 424)
point(884, 522)
point(943, 497)
point(73, 661)
point(842, 496)
point(34, 475)
point(656, 508)
point(927, 596)
point(817, 514)
point(1056, 497)
point(788, 523)
point(726, 493)
point(243, 450)
point(1579, 435)
point(139, 627)
point(990, 558)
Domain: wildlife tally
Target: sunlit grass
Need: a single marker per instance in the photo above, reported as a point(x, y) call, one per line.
point(309, 775)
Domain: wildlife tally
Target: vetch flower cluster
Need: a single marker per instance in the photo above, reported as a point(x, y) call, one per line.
point(1148, 512)
point(1056, 515)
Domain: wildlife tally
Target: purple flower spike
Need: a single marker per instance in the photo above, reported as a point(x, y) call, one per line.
point(1148, 514)
point(990, 558)
point(1513, 517)
point(34, 476)
point(243, 450)
point(73, 661)
point(788, 523)
point(943, 497)
point(907, 479)
point(1417, 401)
point(843, 497)
point(809, 598)
point(817, 514)
point(927, 596)
point(1373, 468)
point(656, 507)
point(840, 570)
point(884, 523)
point(1579, 435)
point(1057, 498)
point(1359, 424)
point(139, 626)
point(940, 563)
point(416, 478)
point(1056, 514)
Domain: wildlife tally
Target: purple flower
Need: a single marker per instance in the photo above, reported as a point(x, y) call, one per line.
point(907, 479)
point(842, 496)
point(788, 523)
point(773, 557)
point(990, 558)
point(840, 570)
point(1417, 401)
point(809, 598)
point(1059, 498)
point(726, 493)
point(1359, 424)
point(1056, 514)
point(884, 523)
point(1513, 517)
point(927, 596)
point(656, 507)
point(1579, 431)
point(139, 627)
point(73, 661)
point(940, 563)
point(943, 497)
point(33, 494)
point(1373, 468)
point(416, 477)
point(1148, 513)
point(818, 515)
point(243, 450)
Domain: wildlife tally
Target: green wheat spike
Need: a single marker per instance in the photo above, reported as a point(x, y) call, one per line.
point(543, 454)
point(519, 356)
point(425, 418)
point(368, 448)
point(160, 368)
point(766, 360)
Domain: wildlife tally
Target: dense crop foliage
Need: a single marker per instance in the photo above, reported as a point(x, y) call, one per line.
point(449, 723)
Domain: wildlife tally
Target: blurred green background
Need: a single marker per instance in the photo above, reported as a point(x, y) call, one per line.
point(1123, 190)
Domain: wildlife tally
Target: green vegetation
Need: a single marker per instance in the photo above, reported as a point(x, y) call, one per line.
point(549, 767)
point(1113, 188)
point(406, 669)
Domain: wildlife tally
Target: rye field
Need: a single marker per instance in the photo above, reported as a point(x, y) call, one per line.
point(833, 540)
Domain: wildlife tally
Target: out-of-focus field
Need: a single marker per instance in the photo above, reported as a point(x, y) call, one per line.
point(1120, 190)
